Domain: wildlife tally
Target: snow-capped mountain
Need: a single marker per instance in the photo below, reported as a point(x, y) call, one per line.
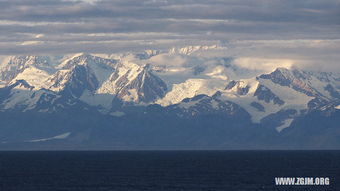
point(184, 83)
point(133, 83)
point(95, 80)
point(16, 65)
point(73, 81)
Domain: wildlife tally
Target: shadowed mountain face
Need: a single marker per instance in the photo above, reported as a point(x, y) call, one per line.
point(135, 101)
point(139, 85)
point(265, 94)
point(75, 81)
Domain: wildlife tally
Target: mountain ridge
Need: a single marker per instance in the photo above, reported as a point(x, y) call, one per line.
point(119, 88)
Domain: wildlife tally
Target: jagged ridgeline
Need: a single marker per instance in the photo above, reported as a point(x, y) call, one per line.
point(185, 98)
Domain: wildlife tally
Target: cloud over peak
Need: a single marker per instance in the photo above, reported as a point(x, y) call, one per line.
point(65, 26)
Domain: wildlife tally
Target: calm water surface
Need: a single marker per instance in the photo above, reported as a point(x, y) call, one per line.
point(165, 170)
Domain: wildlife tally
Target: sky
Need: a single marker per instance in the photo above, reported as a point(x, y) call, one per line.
point(295, 29)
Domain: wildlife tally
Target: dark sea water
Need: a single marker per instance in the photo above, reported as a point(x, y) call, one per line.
point(165, 170)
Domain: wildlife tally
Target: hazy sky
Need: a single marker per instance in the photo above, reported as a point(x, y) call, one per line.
point(67, 26)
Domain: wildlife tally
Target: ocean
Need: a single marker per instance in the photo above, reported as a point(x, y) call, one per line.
point(165, 170)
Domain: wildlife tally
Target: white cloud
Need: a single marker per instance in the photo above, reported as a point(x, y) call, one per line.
point(39, 35)
point(257, 29)
point(263, 64)
point(30, 43)
point(85, 1)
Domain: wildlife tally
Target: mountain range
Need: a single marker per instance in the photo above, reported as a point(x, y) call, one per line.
point(191, 97)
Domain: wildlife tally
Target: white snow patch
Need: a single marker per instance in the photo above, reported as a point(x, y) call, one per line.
point(62, 136)
point(132, 97)
point(61, 77)
point(33, 76)
point(117, 114)
point(18, 97)
point(191, 88)
point(245, 102)
point(187, 105)
point(285, 124)
point(293, 99)
point(289, 95)
point(104, 100)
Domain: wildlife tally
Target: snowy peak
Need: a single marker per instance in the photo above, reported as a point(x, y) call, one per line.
point(295, 79)
point(73, 81)
point(240, 87)
point(82, 59)
point(321, 85)
point(102, 68)
point(34, 76)
point(149, 87)
point(285, 77)
point(188, 50)
point(13, 66)
point(133, 83)
point(184, 79)
point(20, 96)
